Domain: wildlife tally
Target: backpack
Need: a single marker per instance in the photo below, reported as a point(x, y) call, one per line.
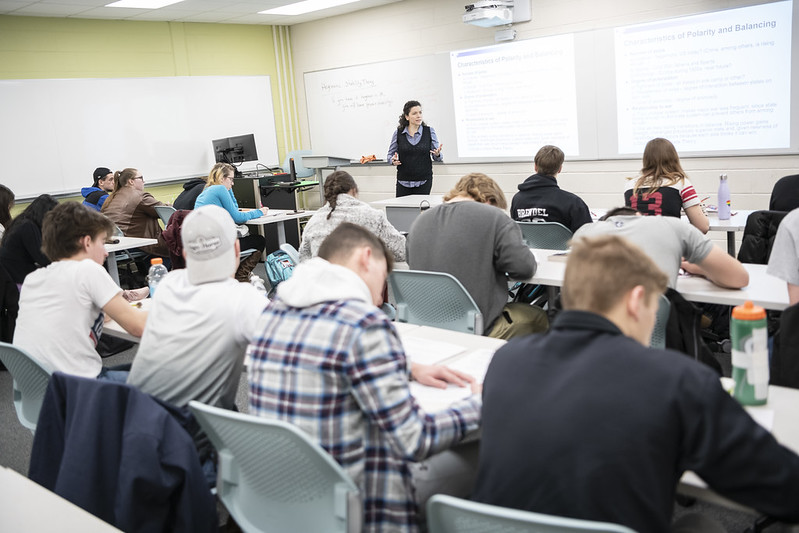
point(279, 267)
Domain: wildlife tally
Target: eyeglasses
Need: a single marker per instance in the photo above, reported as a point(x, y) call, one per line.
point(139, 178)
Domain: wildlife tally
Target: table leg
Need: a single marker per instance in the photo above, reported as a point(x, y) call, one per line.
point(281, 232)
point(111, 265)
point(731, 243)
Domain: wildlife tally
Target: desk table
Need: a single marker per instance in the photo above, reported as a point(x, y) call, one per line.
point(27, 506)
point(763, 289)
point(402, 211)
point(125, 243)
point(737, 222)
point(115, 330)
point(278, 216)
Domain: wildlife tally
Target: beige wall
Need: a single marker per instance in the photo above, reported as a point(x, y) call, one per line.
point(418, 27)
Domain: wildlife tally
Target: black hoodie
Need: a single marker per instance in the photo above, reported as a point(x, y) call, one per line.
point(191, 190)
point(540, 199)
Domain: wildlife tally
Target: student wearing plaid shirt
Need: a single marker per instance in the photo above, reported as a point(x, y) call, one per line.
point(329, 361)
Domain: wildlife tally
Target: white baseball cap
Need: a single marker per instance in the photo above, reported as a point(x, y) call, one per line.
point(209, 236)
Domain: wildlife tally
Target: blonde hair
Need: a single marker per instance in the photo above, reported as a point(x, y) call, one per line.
point(601, 270)
point(661, 167)
point(480, 188)
point(219, 171)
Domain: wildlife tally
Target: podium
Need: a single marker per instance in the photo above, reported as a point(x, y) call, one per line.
point(254, 192)
point(320, 163)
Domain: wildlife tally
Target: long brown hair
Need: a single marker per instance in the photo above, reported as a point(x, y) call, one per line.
point(661, 166)
point(480, 188)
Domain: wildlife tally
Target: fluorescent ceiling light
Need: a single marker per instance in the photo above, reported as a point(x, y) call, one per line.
point(300, 8)
point(143, 4)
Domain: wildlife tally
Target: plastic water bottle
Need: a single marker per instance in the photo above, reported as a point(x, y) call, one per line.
point(749, 354)
point(156, 274)
point(724, 198)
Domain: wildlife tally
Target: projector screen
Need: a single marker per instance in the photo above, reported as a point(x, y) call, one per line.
point(513, 98)
point(717, 81)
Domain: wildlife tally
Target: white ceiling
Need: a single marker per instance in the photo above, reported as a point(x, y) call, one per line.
point(227, 11)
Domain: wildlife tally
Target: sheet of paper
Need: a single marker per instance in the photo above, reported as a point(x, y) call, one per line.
point(431, 399)
point(474, 363)
point(427, 352)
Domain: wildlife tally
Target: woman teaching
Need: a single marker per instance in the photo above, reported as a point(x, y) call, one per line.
point(411, 148)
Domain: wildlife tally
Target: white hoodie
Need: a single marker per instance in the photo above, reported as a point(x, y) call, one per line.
point(316, 281)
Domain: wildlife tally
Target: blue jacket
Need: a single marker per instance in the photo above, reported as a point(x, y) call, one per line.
point(94, 197)
point(221, 196)
point(141, 473)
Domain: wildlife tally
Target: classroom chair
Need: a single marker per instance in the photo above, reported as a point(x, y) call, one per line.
point(658, 339)
point(273, 477)
point(164, 213)
point(447, 514)
point(434, 299)
point(546, 235)
point(30, 383)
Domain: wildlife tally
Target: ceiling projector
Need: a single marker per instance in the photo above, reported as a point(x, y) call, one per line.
point(488, 13)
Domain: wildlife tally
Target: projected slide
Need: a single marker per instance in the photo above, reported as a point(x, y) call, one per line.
point(513, 98)
point(718, 81)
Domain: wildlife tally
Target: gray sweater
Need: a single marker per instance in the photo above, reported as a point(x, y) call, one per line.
point(478, 244)
point(350, 209)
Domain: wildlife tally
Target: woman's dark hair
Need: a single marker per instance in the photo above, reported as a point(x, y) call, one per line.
point(403, 122)
point(339, 182)
point(6, 203)
point(34, 212)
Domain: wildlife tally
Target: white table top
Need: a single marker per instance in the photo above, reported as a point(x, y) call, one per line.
point(763, 289)
point(279, 215)
point(27, 506)
point(115, 330)
point(737, 221)
point(410, 201)
point(126, 243)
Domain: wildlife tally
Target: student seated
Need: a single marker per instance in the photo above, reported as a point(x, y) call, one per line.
point(785, 194)
point(342, 204)
point(671, 243)
point(219, 191)
point(61, 306)
point(587, 422)
point(201, 319)
point(470, 237)
point(541, 200)
point(133, 210)
point(784, 260)
point(187, 197)
point(6, 204)
point(96, 195)
point(329, 361)
point(21, 252)
point(663, 188)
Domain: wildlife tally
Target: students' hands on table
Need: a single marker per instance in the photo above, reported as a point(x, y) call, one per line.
point(135, 295)
point(440, 376)
point(691, 268)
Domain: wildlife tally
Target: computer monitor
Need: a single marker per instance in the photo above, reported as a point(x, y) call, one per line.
point(235, 150)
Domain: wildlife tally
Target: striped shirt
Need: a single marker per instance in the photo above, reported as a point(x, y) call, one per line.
point(338, 371)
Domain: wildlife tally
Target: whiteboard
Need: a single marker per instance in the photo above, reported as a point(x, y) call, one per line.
point(55, 132)
point(353, 111)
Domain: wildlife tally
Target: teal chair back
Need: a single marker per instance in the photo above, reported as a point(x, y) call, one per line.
point(299, 168)
point(164, 213)
point(446, 514)
point(273, 477)
point(658, 339)
point(30, 383)
point(434, 299)
point(547, 235)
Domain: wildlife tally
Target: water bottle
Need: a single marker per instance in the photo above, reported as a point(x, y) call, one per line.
point(724, 198)
point(749, 354)
point(156, 274)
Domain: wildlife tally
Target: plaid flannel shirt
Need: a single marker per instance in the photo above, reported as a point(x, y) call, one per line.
point(338, 371)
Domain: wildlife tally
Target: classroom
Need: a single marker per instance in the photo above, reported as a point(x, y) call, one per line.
point(294, 64)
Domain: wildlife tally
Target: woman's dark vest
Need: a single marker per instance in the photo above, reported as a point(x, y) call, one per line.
point(416, 163)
